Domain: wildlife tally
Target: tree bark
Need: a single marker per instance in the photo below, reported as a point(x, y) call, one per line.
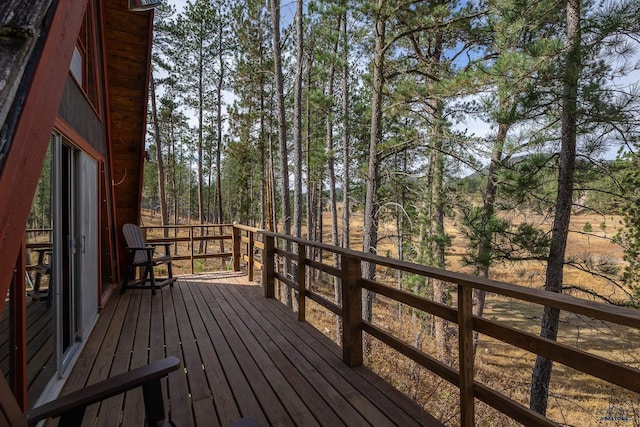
point(488, 207)
point(219, 118)
point(282, 136)
point(200, 141)
point(333, 208)
point(264, 187)
point(437, 232)
point(370, 232)
point(345, 134)
point(541, 375)
point(297, 123)
point(161, 176)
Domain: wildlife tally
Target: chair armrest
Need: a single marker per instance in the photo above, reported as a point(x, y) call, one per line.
point(103, 390)
point(144, 248)
point(166, 245)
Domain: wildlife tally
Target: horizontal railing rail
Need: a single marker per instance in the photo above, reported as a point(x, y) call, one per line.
point(195, 235)
point(244, 242)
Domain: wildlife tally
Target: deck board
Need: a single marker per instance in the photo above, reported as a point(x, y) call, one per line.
point(228, 374)
point(177, 384)
point(241, 354)
point(351, 387)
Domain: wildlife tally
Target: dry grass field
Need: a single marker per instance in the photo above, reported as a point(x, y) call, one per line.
point(575, 399)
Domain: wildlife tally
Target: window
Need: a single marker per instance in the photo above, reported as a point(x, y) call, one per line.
point(77, 64)
point(84, 63)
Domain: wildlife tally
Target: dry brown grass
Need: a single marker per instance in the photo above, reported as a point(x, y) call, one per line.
point(575, 399)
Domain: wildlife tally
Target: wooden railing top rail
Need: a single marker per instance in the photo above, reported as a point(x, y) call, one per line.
point(247, 228)
point(161, 227)
point(621, 315)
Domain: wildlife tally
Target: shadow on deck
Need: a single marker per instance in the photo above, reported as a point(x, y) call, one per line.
point(242, 355)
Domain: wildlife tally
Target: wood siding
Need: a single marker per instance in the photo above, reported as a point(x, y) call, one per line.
point(127, 42)
point(76, 110)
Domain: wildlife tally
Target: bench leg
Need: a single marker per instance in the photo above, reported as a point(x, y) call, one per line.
point(153, 402)
point(73, 418)
point(170, 272)
point(125, 279)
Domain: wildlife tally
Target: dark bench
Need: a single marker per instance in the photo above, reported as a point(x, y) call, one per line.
point(71, 407)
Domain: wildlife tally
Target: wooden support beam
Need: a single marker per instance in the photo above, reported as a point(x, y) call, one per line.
point(302, 283)
point(465, 354)
point(21, 170)
point(250, 248)
point(351, 310)
point(268, 271)
point(19, 330)
point(237, 239)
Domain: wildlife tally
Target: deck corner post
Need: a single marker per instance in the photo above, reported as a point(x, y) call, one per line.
point(465, 355)
point(237, 238)
point(302, 284)
point(268, 271)
point(351, 310)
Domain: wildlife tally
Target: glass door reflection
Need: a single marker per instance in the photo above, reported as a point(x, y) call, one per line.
point(41, 361)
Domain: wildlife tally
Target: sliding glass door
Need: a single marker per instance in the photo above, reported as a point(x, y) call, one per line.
point(70, 269)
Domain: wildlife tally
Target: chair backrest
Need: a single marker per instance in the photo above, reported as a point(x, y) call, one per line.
point(134, 238)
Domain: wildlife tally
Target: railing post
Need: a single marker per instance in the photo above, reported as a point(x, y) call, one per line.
point(351, 310)
point(268, 267)
point(191, 242)
point(302, 285)
point(250, 254)
point(465, 354)
point(237, 238)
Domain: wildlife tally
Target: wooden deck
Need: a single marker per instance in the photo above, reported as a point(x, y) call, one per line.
point(242, 355)
point(40, 346)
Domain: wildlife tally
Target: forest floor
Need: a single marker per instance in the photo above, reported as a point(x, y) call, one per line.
point(576, 399)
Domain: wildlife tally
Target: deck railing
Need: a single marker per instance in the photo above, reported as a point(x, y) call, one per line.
point(353, 284)
point(239, 243)
point(187, 240)
point(264, 250)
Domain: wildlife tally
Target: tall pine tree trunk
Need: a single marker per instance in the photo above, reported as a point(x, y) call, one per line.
point(333, 208)
point(282, 137)
point(488, 208)
point(200, 144)
point(219, 87)
point(297, 136)
point(297, 124)
point(264, 188)
point(345, 135)
point(541, 375)
point(437, 233)
point(161, 175)
point(370, 232)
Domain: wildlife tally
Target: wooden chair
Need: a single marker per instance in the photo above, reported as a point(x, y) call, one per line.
point(71, 407)
point(142, 255)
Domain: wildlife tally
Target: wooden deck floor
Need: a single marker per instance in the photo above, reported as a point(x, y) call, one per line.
point(242, 355)
point(40, 345)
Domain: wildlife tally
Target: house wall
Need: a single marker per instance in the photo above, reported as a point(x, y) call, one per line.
point(76, 110)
